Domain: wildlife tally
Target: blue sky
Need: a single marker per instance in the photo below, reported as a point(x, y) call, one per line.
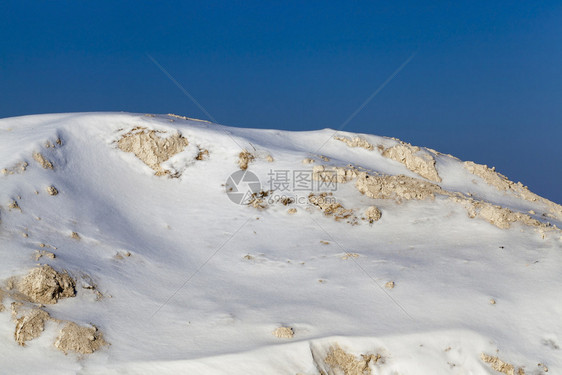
point(485, 83)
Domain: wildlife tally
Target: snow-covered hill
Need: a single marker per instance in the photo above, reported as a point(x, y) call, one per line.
point(160, 244)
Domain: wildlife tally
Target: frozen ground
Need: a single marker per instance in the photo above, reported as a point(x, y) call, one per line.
point(179, 279)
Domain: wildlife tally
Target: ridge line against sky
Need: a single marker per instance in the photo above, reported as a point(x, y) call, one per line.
point(484, 86)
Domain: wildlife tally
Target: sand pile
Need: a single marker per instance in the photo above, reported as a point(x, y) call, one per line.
point(13, 205)
point(502, 183)
point(396, 187)
point(328, 205)
point(152, 147)
point(498, 180)
point(414, 159)
point(283, 333)
point(38, 254)
point(501, 366)
point(262, 200)
point(378, 186)
point(245, 158)
point(259, 200)
point(202, 155)
point(49, 144)
point(79, 339)
point(17, 168)
point(332, 175)
point(51, 190)
point(30, 325)
point(43, 285)
point(44, 162)
point(372, 214)
point(46, 286)
point(499, 216)
point(340, 362)
point(401, 187)
point(355, 142)
point(502, 217)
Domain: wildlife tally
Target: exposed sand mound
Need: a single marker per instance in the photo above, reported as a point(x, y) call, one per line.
point(58, 142)
point(347, 363)
point(501, 366)
point(38, 254)
point(44, 162)
point(46, 286)
point(372, 214)
point(245, 158)
point(411, 156)
point(258, 200)
point(328, 205)
point(396, 187)
point(13, 205)
point(30, 325)
point(379, 186)
point(489, 175)
point(83, 340)
point(332, 175)
point(51, 190)
point(152, 148)
point(355, 142)
point(405, 188)
point(283, 333)
point(499, 216)
point(17, 168)
point(502, 183)
point(202, 155)
point(503, 217)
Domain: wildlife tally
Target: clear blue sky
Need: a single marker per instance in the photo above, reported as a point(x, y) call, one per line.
point(484, 85)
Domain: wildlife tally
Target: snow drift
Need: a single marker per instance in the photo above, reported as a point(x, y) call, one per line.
point(125, 250)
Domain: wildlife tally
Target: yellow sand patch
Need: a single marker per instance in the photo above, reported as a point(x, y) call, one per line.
point(245, 158)
point(338, 359)
point(79, 339)
point(30, 325)
point(151, 148)
point(421, 163)
point(501, 366)
point(44, 162)
point(46, 286)
point(283, 333)
point(355, 142)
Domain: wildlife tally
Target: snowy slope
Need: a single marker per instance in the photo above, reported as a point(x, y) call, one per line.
point(179, 279)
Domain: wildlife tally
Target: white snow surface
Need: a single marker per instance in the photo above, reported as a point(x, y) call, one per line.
point(189, 299)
